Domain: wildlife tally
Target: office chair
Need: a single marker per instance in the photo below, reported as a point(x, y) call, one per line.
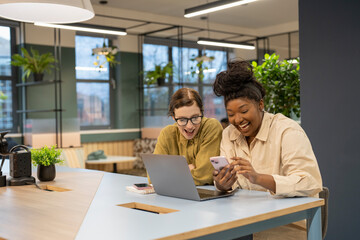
point(324, 211)
point(324, 194)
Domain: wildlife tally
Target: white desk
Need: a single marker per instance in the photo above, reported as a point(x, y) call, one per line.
point(112, 160)
point(224, 218)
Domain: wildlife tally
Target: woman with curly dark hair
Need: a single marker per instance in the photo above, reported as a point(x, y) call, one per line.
point(266, 152)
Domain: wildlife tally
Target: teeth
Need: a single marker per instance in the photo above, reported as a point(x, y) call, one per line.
point(244, 125)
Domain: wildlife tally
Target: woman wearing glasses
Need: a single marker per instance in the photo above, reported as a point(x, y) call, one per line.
point(192, 135)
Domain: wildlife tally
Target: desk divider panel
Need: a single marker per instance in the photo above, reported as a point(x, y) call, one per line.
point(54, 188)
point(147, 208)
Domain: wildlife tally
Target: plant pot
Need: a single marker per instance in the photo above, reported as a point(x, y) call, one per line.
point(38, 77)
point(46, 173)
point(161, 81)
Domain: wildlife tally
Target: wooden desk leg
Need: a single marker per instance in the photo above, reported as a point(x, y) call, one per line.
point(313, 223)
point(115, 168)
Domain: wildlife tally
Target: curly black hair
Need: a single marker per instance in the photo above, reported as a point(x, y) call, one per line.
point(238, 81)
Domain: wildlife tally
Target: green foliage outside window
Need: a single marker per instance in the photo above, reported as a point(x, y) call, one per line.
point(2, 96)
point(282, 84)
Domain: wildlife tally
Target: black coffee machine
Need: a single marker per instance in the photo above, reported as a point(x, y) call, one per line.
point(20, 163)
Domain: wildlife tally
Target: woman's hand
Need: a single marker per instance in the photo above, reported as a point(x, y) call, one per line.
point(191, 166)
point(224, 179)
point(244, 167)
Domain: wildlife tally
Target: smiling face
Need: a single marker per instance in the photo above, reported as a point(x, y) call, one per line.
point(246, 115)
point(190, 130)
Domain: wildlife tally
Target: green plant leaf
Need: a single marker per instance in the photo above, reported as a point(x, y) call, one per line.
point(160, 71)
point(46, 156)
point(282, 84)
point(34, 62)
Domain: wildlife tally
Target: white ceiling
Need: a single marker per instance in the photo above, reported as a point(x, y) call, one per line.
point(256, 15)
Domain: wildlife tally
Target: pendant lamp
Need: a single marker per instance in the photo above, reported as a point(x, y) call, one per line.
point(48, 11)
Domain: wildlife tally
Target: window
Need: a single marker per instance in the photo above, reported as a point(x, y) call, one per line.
point(92, 84)
point(156, 98)
point(7, 82)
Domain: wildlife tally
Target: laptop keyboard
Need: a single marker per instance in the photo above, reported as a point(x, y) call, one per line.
point(205, 195)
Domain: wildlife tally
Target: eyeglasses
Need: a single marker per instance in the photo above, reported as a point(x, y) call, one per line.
point(184, 121)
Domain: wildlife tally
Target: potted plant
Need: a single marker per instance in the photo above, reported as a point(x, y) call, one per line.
point(159, 74)
point(34, 63)
point(282, 84)
point(45, 160)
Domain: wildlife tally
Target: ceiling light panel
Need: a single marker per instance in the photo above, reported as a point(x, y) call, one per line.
point(214, 6)
point(228, 44)
point(85, 28)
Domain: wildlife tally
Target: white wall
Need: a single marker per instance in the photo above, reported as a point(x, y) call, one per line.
point(45, 36)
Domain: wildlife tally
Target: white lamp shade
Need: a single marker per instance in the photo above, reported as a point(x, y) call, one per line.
point(55, 11)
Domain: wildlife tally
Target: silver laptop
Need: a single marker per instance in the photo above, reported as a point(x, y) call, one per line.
point(171, 176)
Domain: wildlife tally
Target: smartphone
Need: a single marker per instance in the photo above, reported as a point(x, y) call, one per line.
point(219, 162)
point(141, 186)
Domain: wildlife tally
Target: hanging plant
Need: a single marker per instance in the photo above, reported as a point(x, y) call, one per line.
point(199, 67)
point(109, 52)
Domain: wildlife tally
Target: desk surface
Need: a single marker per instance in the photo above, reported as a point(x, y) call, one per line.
point(105, 220)
point(27, 211)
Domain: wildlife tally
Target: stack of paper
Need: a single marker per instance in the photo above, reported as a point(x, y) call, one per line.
point(141, 191)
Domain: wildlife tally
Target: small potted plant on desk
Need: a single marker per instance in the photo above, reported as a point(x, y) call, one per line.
point(45, 160)
point(159, 74)
point(36, 63)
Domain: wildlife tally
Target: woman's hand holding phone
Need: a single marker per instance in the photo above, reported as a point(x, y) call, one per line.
point(219, 162)
point(222, 174)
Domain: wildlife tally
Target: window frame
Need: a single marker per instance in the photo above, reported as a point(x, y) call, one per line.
point(110, 82)
point(171, 86)
point(13, 78)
